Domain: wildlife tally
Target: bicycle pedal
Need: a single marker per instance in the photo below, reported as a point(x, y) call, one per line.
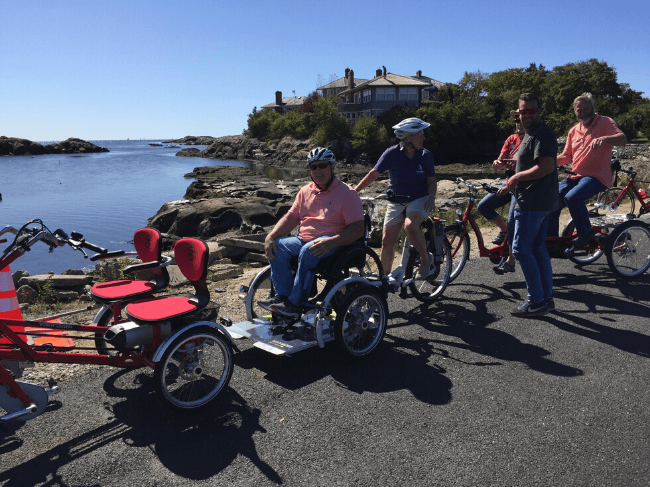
point(403, 293)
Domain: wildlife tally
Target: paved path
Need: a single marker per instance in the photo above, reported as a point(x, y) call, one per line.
point(460, 393)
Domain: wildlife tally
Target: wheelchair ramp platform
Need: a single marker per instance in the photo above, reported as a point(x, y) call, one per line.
point(279, 339)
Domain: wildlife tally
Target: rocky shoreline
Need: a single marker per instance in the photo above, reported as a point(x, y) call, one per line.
point(13, 146)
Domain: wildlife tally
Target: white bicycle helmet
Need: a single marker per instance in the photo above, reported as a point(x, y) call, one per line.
point(321, 154)
point(408, 127)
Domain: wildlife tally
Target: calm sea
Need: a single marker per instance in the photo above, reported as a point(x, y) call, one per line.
point(106, 197)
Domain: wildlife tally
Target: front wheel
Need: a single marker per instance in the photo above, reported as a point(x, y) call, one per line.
point(194, 369)
point(460, 246)
point(431, 288)
point(619, 200)
point(585, 256)
point(261, 288)
point(628, 249)
point(361, 319)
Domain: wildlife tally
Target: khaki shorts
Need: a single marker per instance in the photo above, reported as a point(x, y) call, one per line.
point(396, 212)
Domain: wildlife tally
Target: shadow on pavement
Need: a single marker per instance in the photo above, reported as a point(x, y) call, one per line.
point(186, 444)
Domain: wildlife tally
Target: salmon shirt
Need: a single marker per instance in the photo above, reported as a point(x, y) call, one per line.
point(325, 213)
point(584, 160)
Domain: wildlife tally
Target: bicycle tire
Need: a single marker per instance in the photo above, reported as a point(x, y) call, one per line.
point(628, 249)
point(626, 204)
point(459, 244)
point(593, 254)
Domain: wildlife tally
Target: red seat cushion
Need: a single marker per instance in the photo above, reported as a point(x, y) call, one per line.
point(160, 309)
point(121, 289)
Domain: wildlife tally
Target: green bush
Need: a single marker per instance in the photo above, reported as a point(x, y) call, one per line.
point(369, 135)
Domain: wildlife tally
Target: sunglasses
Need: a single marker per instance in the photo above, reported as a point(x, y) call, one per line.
point(530, 111)
point(322, 165)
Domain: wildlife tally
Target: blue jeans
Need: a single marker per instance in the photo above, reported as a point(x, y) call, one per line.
point(529, 248)
point(488, 208)
point(573, 194)
point(284, 283)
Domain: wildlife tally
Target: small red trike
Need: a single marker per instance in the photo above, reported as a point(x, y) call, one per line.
point(191, 357)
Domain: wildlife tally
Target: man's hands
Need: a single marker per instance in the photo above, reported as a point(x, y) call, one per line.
point(504, 163)
point(322, 246)
point(269, 248)
point(596, 143)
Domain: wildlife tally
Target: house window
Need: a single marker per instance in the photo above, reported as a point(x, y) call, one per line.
point(366, 96)
point(357, 97)
point(385, 94)
point(408, 94)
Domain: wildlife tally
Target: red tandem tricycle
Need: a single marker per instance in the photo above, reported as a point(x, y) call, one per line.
point(191, 357)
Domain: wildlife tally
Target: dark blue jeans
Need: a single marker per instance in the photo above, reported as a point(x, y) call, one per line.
point(573, 194)
point(488, 208)
point(284, 282)
point(529, 248)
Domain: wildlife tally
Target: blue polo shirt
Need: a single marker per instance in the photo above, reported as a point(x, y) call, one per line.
point(407, 176)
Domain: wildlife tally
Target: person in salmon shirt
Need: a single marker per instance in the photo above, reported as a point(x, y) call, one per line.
point(589, 151)
point(329, 214)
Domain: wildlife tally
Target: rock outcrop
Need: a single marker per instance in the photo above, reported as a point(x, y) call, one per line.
point(289, 152)
point(12, 146)
point(193, 140)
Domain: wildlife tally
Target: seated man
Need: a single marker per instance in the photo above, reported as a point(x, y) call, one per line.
point(589, 150)
point(330, 215)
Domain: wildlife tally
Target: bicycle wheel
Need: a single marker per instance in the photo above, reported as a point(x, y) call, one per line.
point(619, 200)
point(361, 319)
point(195, 368)
point(261, 288)
point(460, 246)
point(431, 288)
point(586, 256)
point(628, 249)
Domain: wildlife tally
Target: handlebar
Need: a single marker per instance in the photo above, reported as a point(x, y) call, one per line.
point(486, 186)
point(26, 238)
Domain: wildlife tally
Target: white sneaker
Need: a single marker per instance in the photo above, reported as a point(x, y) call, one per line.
point(424, 272)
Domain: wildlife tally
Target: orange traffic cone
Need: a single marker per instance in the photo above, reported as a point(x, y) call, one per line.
point(9, 307)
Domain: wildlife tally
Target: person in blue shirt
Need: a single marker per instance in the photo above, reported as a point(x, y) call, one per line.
point(414, 184)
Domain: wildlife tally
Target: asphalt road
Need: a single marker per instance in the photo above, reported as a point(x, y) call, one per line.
point(459, 393)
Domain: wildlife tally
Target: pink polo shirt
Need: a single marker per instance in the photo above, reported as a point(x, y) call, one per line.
point(326, 213)
point(584, 160)
point(511, 146)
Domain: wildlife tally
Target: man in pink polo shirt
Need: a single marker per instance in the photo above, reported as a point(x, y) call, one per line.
point(330, 215)
point(589, 150)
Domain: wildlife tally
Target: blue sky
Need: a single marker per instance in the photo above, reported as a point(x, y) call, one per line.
point(118, 69)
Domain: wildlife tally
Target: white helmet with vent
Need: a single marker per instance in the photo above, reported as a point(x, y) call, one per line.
point(408, 127)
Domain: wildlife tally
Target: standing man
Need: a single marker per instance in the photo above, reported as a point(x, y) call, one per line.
point(535, 187)
point(589, 150)
point(329, 214)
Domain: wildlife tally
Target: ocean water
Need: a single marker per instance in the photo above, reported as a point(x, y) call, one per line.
point(106, 197)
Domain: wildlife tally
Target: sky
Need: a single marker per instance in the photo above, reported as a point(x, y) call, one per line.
point(107, 70)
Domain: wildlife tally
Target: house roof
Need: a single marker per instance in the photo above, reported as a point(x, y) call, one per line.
point(340, 83)
point(389, 79)
point(287, 101)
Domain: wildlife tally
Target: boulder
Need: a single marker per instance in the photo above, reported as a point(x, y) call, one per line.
point(26, 294)
point(58, 281)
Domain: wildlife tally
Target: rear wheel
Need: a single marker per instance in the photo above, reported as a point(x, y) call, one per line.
point(431, 288)
point(628, 249)
point(194, 369)
point(625, 203)
point(459, 246)
point(361, 319)
point(584, 256)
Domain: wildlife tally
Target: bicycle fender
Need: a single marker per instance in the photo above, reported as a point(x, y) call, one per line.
point(164, 345)
point(100, 314)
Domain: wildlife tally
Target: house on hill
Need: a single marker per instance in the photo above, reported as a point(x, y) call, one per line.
point(372, 97)
point(283, 105)
point(345, 83)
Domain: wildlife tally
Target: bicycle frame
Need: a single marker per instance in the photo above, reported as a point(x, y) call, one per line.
point(497, 252)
